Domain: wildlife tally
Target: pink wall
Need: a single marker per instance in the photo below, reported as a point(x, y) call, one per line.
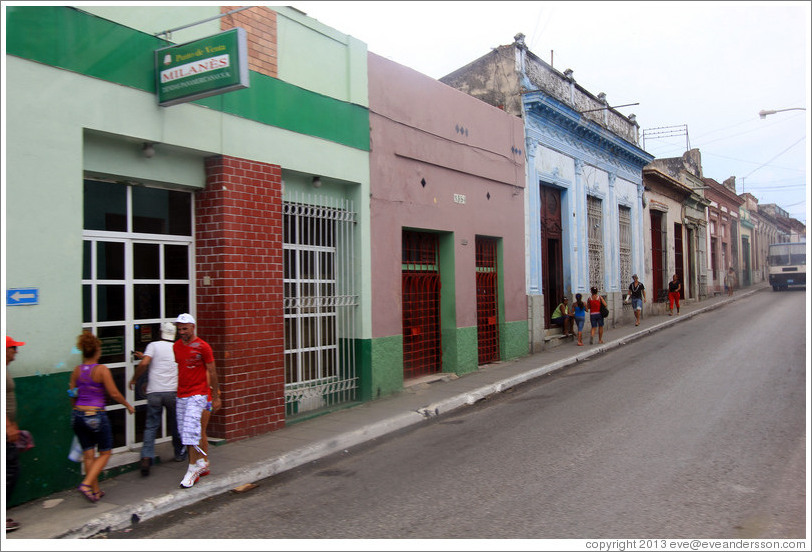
point(422, 129)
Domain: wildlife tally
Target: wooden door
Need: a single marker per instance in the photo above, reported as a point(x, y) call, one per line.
point(552, 269)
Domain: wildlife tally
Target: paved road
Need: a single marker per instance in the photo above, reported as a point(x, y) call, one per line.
point(697, 431)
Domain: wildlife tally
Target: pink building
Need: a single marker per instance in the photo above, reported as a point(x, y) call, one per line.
point(447, 174)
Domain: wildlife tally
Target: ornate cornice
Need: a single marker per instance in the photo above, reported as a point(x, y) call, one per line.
point(548, 113)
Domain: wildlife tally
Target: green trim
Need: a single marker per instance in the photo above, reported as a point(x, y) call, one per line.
point(500, 298)
point(448, 300)
point(70, 39)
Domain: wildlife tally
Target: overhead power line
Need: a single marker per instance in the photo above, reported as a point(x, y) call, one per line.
point(801, 139)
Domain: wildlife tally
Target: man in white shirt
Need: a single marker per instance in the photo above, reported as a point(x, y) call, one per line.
point(162, 388)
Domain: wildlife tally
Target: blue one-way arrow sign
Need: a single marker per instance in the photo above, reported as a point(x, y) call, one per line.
point(22, 296)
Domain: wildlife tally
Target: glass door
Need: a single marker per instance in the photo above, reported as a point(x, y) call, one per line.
point(137, 273)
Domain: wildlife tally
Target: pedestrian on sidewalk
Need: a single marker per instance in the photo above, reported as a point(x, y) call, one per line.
point(637, 293)
point(579, 315)
point(562, 317)
point(162, 390)
point(674, 287)
point(12, 430)
point(198, 396)
point(595, 316)
point(89, 383)
point(730, 281)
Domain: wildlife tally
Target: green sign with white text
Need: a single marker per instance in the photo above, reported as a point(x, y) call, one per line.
point(202, 68)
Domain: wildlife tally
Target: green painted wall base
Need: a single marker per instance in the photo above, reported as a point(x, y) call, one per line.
point(514, 339)
point(460, 353)
point(44, 409)
point(381, 367)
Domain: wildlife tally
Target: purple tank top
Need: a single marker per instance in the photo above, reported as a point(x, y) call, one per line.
point(90, 393)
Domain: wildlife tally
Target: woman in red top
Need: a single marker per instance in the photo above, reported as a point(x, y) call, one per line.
point(595, 318)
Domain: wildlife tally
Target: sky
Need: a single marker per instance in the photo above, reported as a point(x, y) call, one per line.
point(705, 67)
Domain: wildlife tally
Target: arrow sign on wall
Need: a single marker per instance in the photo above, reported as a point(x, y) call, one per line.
point(22, 296)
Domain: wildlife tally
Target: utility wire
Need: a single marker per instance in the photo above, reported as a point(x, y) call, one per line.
point(801, 139)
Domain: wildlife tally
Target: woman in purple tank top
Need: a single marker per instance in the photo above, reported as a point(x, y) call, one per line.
point(90, 383)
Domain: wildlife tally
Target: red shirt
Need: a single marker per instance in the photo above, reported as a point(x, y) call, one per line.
point(594, 305)
point(192, 360)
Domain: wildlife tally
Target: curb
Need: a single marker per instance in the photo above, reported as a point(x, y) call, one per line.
point(126, 516)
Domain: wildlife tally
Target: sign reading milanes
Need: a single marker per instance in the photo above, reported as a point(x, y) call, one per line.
point(202, 68)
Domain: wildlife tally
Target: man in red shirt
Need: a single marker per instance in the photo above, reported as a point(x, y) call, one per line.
point(197, 383)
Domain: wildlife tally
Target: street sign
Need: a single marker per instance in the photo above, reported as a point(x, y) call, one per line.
point(22, 296)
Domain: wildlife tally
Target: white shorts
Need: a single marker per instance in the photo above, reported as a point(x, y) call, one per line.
point(189, 410)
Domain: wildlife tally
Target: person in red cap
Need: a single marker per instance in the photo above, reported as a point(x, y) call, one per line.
point(12, 430)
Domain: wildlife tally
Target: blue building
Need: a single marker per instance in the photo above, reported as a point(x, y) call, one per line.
point(583, 204)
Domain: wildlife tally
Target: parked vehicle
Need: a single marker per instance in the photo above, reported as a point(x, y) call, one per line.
point(787, 265)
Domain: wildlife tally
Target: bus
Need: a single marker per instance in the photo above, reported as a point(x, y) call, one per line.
point(787, 265)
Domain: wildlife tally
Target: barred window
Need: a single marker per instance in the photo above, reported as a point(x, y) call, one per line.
point(624, 215)
point(319, 303)
point(595, 241)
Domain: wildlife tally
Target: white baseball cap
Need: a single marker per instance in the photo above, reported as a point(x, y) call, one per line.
point(185, 318)
point(168, 331)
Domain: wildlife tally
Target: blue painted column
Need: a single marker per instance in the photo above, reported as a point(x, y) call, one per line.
point(611, 238)
point(638, 241)
point(580, 276)
point(533, 220)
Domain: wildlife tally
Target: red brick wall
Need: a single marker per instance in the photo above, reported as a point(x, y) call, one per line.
point(238, 227)
point(259, 23)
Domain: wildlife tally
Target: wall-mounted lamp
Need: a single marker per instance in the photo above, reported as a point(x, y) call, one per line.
point(148, 149)
point(316, 182)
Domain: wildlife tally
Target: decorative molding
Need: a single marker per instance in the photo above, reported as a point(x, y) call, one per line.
point(541, 132)
point(584, 132)
point(553, 178)
point(657, 205)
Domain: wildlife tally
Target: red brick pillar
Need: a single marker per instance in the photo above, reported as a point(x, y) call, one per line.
point(238, 255)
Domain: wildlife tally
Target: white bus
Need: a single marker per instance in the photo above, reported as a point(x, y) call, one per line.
point(787, 264)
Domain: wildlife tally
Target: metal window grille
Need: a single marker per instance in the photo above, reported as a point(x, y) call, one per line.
point(625, 237)
point(595, 241)
point(487, 313)
point(422, 353)
point(319, 303)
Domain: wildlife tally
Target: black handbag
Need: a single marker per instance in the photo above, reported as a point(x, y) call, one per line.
point(604, 310)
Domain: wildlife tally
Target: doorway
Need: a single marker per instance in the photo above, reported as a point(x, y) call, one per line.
point(658, 265)
point(487, 300)
point(137, 273)
point(679, 253)
point(420, 274)
point(552, 268)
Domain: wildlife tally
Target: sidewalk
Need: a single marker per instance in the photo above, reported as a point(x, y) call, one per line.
point(132, 498)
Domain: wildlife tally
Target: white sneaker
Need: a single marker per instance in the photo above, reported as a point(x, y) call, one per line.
point(193, 473)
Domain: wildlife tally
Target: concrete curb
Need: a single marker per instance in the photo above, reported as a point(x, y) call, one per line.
point(447, 405)
point(125, 516)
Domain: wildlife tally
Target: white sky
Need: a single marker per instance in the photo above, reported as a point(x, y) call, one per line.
point(709, 65)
